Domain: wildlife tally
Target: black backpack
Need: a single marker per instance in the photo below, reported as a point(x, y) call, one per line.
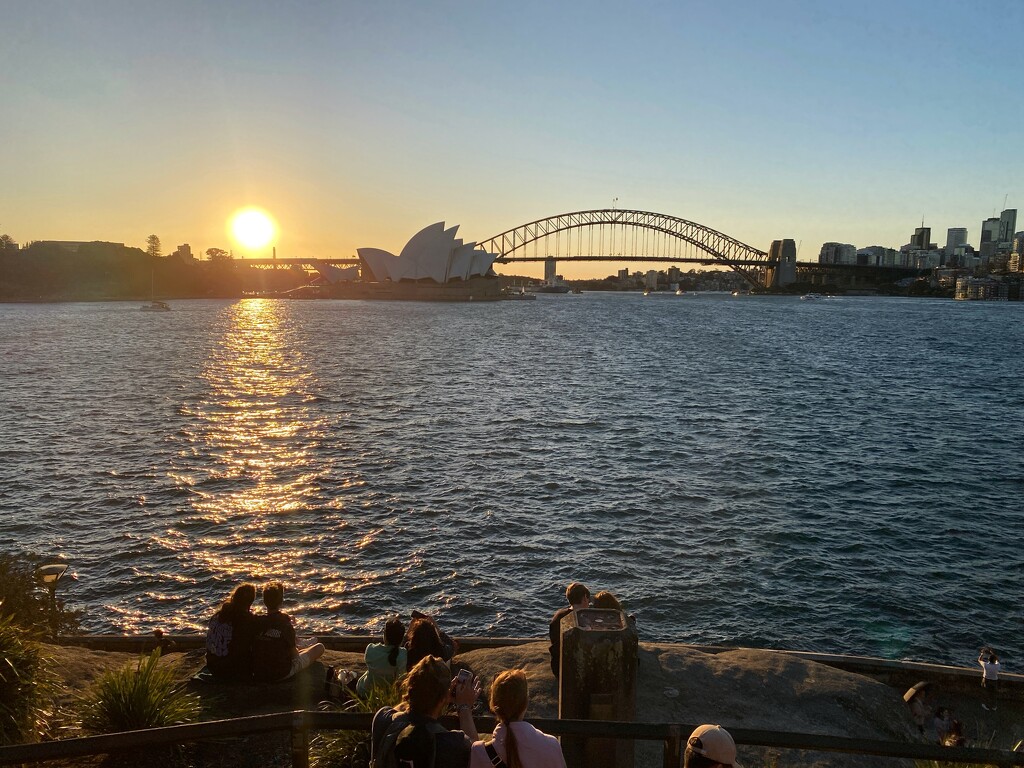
point(407, 744)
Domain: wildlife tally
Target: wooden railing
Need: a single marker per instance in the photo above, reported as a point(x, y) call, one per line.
point(300, 724)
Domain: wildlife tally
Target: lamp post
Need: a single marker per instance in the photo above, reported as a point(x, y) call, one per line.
point(50, 575)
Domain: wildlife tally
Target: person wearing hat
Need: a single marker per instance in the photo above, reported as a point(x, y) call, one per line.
point(710, 746)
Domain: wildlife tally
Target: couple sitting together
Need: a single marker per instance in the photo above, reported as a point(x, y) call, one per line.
point(246, 647)
point(410, 735)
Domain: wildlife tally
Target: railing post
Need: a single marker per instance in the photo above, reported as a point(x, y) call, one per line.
point(673, 756)
point(300, 740)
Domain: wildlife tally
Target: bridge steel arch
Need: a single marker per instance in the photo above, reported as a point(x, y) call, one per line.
point(720, 247)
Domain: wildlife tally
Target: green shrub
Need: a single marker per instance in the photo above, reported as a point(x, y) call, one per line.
point(25, 686)
point(351, 749)
point(26, 601)
point(144, 695)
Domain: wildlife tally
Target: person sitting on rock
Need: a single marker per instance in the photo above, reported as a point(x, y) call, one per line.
point(941, 723)
point(424, 640)
point(274, 654)
point(710, 746)
point(410, 734)
point(579, 598)
point(229, 637)
point(955, 735)
point(516, 744)
point(607, 601)
point(384, 661)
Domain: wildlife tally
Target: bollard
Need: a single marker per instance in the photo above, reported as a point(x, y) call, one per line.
point(597, 681)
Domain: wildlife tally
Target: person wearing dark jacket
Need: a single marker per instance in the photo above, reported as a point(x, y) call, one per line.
point(274, 654)
point(579, 598)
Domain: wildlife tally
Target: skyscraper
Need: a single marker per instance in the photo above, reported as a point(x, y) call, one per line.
point(955, 237)
point(990, 231)
point(921, 239)
point(1007, 225)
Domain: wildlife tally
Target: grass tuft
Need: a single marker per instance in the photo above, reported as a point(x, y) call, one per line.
point(145, 695)
point(351, 749)
point(25, 686)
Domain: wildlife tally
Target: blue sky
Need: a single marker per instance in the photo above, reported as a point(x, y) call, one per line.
point(357, 124)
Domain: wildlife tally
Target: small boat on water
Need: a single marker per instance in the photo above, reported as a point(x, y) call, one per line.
point(154, 305)
point(552, 287)
point(517, 294)
point(811, 297)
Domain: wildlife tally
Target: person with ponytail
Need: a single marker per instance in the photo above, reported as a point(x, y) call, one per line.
point(515, 743)
point(384, 661)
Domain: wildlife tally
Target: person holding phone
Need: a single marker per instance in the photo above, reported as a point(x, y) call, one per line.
point(411, 731)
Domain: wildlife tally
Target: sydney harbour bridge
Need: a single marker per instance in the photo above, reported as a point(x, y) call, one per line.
point(619, 235)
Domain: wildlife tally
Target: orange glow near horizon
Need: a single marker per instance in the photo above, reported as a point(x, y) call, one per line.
point(252, 227)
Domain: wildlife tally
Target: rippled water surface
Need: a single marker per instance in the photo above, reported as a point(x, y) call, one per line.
point(843, 475)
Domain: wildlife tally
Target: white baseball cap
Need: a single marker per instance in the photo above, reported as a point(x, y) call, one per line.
point(714, 743)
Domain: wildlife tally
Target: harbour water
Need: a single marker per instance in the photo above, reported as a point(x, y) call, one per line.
point(844, 475)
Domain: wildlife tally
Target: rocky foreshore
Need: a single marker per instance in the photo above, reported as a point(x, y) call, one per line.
point(738, 688)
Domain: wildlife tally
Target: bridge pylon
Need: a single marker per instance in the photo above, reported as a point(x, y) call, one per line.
point(781, 270)
point(550, 271)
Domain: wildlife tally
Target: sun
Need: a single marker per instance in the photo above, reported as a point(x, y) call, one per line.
point(252, 227)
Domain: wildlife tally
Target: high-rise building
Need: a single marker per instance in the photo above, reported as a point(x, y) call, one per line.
point(837, 253)
point(955, 237)
point(989, 231)
point(921, 239)
point(1007, 224)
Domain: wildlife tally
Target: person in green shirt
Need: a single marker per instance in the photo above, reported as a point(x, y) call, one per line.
point(384, 661)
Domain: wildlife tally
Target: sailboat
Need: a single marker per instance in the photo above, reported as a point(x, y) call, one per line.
point(154, 305)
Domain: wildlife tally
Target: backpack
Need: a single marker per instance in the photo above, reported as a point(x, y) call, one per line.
point(218, 637)
point(404, 738)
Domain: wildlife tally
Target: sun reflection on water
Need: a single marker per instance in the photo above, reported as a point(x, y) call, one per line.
point(249, 455)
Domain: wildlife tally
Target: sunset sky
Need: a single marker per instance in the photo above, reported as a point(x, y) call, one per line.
point(357, 124)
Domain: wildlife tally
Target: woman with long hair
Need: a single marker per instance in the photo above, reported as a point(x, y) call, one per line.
point(411, 732)
point(515, 743)
point(423, 640)
point(229, 636)
point(385, 661)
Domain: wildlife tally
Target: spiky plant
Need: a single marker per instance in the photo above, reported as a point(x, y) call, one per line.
point(143, 695)
point(25, 685)
point(351, 749)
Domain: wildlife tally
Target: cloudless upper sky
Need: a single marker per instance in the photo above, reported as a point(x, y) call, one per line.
point(357, 124)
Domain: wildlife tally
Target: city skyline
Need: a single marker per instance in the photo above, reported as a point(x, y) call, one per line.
point(356, 126)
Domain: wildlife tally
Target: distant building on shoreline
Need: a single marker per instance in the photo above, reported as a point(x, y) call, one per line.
point(71, 246)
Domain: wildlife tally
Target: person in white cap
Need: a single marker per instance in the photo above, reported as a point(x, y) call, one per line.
point(710, 746)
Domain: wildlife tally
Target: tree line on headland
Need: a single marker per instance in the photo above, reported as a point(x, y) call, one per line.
point(48, 271)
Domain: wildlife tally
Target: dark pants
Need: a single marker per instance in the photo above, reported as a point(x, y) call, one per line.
point(991, 692)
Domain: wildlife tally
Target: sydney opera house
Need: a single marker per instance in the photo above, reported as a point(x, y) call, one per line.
point(433, 266)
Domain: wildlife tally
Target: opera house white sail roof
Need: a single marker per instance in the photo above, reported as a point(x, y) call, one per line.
point(433, 253)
